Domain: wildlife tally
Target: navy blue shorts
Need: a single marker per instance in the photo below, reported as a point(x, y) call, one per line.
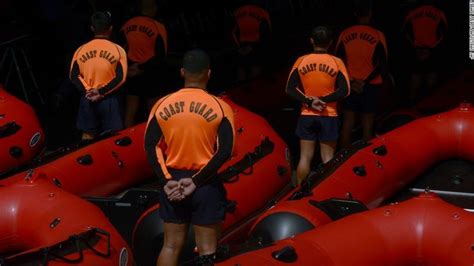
point(318, 128)
point(97, 117)
point(364, 102)
point(206, 206)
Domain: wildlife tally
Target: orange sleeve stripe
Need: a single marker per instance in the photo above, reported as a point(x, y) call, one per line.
point(161, 161)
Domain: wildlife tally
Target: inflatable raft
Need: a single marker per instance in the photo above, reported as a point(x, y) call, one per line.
point(258, 170)
point(21, 136)
point(370, 173)
point(44, 225)
point(422, 231)
point(103, 168)
point(446, 97)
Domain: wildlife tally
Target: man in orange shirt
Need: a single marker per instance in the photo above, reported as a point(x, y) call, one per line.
point(197, 130)
point(424, 28)
point(98, 68)
point(251, 34)
point(364, 51)
point(146, 42)
point(317, 80)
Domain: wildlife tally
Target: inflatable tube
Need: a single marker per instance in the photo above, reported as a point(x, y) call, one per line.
point(409, 233)
point(44, 225)
point(103, 168)
point(450, 94)
point(251, 185)
point(371, 173)
point(446, 97)
point(21, 136)
point(396, 119)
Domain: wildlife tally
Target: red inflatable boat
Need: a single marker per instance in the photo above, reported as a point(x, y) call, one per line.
point(447, 96)
point(422, 231)
point(259, 166)
point(103, 168)
point(21, 136)
point(44, 225)
point(370, 173)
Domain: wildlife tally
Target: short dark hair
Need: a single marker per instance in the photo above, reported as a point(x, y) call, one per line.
point(101, 21)
point(321, 35)
point(363, 8)
point(196, 61)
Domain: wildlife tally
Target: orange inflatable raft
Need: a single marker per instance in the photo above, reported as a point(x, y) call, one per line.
point(44, 225)
point(422, 231)
point(370, 173)
point(21, 136)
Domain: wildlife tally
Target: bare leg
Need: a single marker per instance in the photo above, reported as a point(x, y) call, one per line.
point(207, 237)
point(327, 150)
point(368, 125)
point(347, 125)
point(175, 237)
point(131, 110)
point(87, 135)
point(306, 155)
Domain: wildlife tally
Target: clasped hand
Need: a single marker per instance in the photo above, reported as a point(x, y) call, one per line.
point(94, 95)
point(317, 104)
point(178, 190)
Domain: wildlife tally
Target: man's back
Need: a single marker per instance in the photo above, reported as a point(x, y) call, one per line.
point(250, 19)
point(426, 24)
point(189, 120)
point(359, 46)
point(142, 34)
point(98, 61)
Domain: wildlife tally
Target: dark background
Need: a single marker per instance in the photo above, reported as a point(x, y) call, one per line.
point(56, 28)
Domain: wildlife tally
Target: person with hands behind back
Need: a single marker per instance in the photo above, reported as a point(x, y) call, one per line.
point(364, 50)
point(189, 136)
point(318, 80)
point(98, 68)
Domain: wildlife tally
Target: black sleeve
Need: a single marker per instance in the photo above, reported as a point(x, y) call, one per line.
point(225, 142)
point(292, 88)
point(379, 60)
point(74, 77)
point(441, 30)
point(112, 85)
point(265, 32)
point(236, 34)
point(159, 57)
point(122, 39)
point(153, 135)
point(341, 52)
point(340, 92)
point(408, 32)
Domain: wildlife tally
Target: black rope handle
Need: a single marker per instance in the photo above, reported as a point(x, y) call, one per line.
point(48, 253)
point(249, 157)
point(99, 231)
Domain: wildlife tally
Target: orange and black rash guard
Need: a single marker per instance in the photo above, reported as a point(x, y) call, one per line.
point(364, 51)
point(425, 26)
point(99, 64)
point(145, 38)
point(321, 75)
point(252, 25)
point(197, 130)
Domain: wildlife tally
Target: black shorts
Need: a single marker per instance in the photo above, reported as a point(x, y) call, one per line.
point(364, 102)
point(207, 205)
point(318, 128)
point(97, 117)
